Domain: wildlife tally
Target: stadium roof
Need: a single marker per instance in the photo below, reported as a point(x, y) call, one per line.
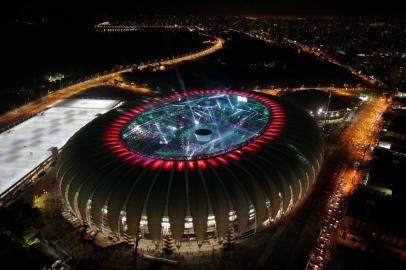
point(115, 183)
point(312, 100)
point(27, 145)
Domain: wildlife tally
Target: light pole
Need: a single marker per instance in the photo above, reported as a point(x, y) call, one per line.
point(135, 249)
point(328, 107)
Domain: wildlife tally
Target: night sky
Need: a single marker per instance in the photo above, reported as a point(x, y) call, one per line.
point(96, 10)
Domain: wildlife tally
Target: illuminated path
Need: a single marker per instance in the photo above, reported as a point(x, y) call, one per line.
point(323, 56)
point(358, 138)
point(350, 91)
point(218, 44)
point(66, 92)
point(319, 54)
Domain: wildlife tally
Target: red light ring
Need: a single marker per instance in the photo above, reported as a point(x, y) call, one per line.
point(113, 142)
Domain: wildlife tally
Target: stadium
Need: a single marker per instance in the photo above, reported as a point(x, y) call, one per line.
point(323, 106)
point(200, 168)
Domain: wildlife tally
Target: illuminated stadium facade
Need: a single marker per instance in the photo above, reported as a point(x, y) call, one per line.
point(194, 167)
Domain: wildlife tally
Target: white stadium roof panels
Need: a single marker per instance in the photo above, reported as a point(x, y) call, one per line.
point(27, 145)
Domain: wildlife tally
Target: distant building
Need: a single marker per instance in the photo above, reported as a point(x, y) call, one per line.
point(375, 219)
point(323, 106)
point(389, 157)
point(398, 78)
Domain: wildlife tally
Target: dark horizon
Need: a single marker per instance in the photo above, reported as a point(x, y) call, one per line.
point(98, 11)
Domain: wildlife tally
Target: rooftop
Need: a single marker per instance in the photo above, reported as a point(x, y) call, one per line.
point(27, 145)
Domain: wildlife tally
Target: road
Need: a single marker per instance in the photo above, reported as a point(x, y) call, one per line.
point(217, 45)
point(53, 98)
point(357, 141)
point(317, 53)
point(342, 91)
point(323, 56)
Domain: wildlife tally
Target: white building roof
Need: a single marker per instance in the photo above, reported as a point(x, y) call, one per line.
point(25, 146)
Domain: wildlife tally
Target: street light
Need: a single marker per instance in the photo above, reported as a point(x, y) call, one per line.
point(135, 249)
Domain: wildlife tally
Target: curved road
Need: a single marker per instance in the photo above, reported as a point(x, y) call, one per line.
point(66, 92)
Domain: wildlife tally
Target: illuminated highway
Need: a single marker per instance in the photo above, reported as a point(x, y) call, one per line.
point(320, 54)
point(53, 98)
point(66, 92)
point(132, 87)
point(358, 139)
point(108, 27)
point(218, 44)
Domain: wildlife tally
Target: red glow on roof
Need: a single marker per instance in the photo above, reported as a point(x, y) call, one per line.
point(191, 164)
point(130, 157)
point(212, 162)
point(113, 142)
point(123, 154)
point(222, 159)
point(233, 156)
point(157, 163)
point(249, 148)
point(135, 161)
point(202, 164)
point(181, 165)
point(146, 162)
point(168, 165)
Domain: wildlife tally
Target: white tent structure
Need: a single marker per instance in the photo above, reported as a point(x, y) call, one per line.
point(27, 145)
